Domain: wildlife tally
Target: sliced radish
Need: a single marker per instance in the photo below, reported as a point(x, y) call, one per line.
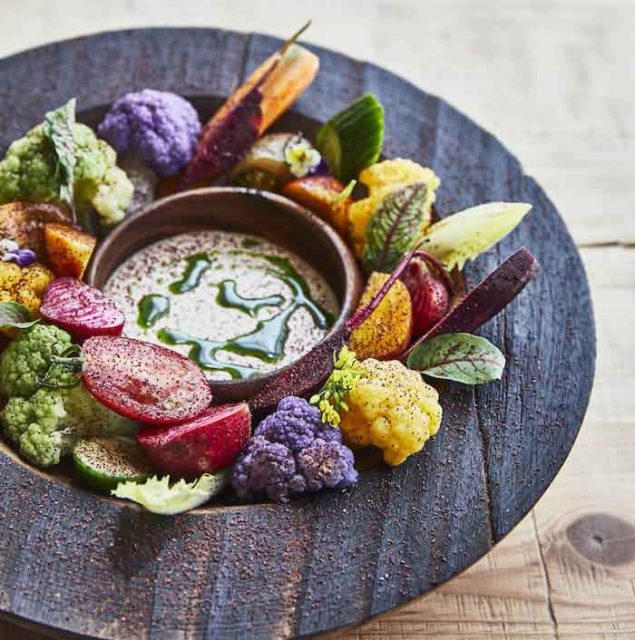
point(206, 444)
point(143, 381)
point(81, 309)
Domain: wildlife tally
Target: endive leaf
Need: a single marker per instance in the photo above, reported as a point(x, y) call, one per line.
point(465, 235)
point(157, 496)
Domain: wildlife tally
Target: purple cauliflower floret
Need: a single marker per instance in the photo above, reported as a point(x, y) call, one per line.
point(327, 465)
point(292, 452)
point(159, 127)
point(266, 470)
point(296, 424)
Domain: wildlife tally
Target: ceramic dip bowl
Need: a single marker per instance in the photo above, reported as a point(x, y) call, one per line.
point(271, 218)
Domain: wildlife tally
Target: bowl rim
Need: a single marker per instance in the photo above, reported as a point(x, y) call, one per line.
point(353, 281)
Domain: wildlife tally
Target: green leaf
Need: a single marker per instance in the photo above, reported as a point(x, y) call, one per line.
point(461, 357)
point(395, 227)
point(157, 496)
point(58, 127)
point(15, 316)
point(465, 235)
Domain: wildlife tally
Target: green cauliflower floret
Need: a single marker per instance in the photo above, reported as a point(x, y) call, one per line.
point(27, 359)
point(38, 426)
point(46, 426)
point(30, 172)
point(44, 448)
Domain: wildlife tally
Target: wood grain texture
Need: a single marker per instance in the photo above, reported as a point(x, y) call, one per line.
point(109, 570)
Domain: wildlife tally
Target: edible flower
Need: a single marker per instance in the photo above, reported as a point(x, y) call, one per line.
point(11, 252)
point(301, 157)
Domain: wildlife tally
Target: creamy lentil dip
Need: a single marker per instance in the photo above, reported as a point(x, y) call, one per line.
point(236, 304)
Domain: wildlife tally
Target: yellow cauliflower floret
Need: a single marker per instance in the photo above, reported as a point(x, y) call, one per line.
point(392, 408)
point(381, 179)
point(25, 285)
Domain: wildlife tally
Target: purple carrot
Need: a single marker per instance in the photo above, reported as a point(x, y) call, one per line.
point(488, 298)
point(233, 129)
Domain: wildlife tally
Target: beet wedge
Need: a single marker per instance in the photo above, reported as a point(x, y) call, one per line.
point(81, 310)
point(264, 96)
point(490, 296)
point(144, 381)
point(207, 444)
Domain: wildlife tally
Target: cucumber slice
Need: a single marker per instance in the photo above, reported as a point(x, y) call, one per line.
point(102, 463)
point(351, 140)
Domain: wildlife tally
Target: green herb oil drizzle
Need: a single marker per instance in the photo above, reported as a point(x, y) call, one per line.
point(203, 352)
point(267, 341)
point(152, 308)
point(197, 265)
point(229, 298)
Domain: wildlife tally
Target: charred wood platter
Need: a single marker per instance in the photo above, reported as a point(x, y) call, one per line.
point(75, 563)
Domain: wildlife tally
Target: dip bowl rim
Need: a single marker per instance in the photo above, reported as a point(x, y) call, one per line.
point(240, 389)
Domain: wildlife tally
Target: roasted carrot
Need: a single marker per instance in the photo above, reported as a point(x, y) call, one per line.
point(259, 101)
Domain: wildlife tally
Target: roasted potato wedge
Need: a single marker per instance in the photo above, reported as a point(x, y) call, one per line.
point(24, 223)
point(386, 334)
point(68, 250)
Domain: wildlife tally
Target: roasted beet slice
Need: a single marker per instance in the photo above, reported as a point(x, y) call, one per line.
point(81, 309)
point(206, 444)
point(144, 381)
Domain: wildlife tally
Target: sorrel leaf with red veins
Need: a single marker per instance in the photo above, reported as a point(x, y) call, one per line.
point(461, 357)
point(394, 227)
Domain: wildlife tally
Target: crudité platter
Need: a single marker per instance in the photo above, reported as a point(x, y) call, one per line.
point(286, 341)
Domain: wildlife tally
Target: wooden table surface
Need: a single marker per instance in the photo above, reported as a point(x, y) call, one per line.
point(555, 80)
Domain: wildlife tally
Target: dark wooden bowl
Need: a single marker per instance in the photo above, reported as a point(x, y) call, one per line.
point(75, 562)
point(259, 213)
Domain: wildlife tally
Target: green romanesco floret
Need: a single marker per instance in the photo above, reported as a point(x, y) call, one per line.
point(26, 361)
point(346, 375)
point(38, 426)
point(45, 426)
point(30, 172)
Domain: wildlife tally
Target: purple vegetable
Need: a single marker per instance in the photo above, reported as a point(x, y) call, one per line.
point(266, 470)
point(293, 452)
point(327, 465)
point(159, 127)
point(488, 298)
point(296, 424)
